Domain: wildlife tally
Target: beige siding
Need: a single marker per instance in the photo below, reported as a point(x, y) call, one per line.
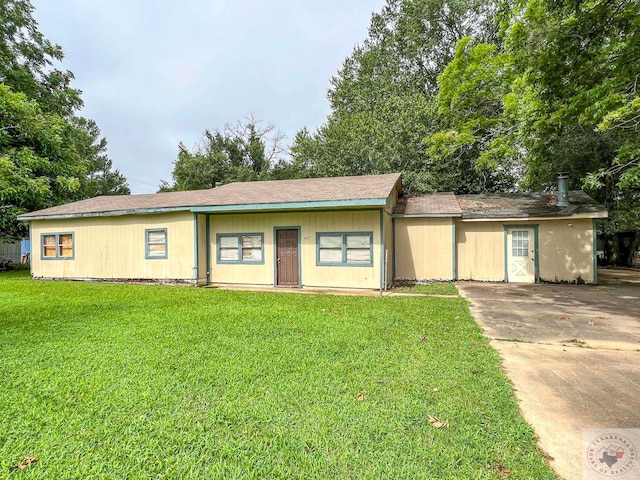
point(565, 249)
point(309, 224)
point(114, 248)
point(480, 251)
point(424, 248)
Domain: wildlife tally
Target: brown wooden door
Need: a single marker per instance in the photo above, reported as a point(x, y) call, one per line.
point(287, 258)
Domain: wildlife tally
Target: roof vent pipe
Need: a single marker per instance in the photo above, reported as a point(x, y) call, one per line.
point(563, 189)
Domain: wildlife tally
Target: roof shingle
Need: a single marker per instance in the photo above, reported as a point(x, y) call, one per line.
point(430, 204)
point(241, 193)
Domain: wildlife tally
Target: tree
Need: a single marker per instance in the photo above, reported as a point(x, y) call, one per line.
point(239, 152)
point(48, 154)
point(383, 98)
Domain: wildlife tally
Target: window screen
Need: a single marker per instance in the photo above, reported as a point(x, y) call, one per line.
point(345, 248)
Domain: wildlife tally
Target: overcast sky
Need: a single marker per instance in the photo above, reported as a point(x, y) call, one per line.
point(156, 72)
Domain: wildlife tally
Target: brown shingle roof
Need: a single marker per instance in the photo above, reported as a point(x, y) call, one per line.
point(444, 204)
point(334, 189)
point(535, 204)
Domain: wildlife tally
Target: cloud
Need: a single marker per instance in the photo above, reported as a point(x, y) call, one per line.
point(154, 73)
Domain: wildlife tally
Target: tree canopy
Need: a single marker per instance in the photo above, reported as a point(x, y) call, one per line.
point(48, 154)
point(241, 152)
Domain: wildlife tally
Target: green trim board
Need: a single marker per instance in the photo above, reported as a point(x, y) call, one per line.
point(196, 273)
point(454, 251)
point(57, 235)
point(298, 210)
point(275, 253)
point(147, 256)
point(382, 271)
point(344, 248)
point(536, 251)
point(208, 247)
point(595, 251)
point(426, 215)
point(290, 205)
point(114, 213)
point(239, 246)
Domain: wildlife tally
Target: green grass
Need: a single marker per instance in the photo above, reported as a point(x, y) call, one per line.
point(432, 288)
point(125, 381)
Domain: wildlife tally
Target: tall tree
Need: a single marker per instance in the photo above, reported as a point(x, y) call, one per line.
point(244, 151)
point(383, 98)
point(48, 154)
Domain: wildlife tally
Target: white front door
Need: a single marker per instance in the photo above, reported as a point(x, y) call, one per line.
point(521, 260)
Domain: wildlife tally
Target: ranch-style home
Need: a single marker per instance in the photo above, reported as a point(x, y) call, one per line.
point(342, 232)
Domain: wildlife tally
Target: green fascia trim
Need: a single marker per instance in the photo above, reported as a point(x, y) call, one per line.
point(536, 250)
point(230, 209)
point(57, 234)
point(31, 251)
point(239, 237)
point(381, 251)
point(208, 252)
point(146, 244)
point(426, 215)
point(344, 250)
point(115, 213)
point(196, 273)
point(595, 251)
point(275, 254)
point(454, 251)
point(291, 205)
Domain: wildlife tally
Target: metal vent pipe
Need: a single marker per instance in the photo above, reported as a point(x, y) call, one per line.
point(563, 189)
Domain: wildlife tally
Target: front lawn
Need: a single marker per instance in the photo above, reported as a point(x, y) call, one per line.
point(126, 381)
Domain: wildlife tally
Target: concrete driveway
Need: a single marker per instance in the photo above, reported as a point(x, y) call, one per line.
point(572, 353)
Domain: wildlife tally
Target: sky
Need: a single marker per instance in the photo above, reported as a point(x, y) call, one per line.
point(154, 73)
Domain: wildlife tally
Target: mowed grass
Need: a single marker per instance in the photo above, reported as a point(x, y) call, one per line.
point(431, 288)
point(130, 381)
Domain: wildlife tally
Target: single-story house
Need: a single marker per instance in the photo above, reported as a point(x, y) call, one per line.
point(347, 232)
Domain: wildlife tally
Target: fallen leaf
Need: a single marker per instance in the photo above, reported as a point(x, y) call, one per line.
point(547, 457)
point(423, 338)
point(438, 423)
point(361, 396)
point(26, 461)
point(503, 471)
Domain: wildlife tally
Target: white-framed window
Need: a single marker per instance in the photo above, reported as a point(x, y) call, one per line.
point(520, 243)
point(155, 243)
point(240, 248)
point(57, 246)
point(344, 249)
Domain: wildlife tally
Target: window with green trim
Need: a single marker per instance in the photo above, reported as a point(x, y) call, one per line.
point(240, 248)
point(156, 243)
point(345, 249)
point(57, 246)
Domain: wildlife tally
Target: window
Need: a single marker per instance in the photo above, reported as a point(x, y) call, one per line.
point(520, 243)
point(155, 243)
point(57, 246)
point(240, 248)
point(348, 249)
